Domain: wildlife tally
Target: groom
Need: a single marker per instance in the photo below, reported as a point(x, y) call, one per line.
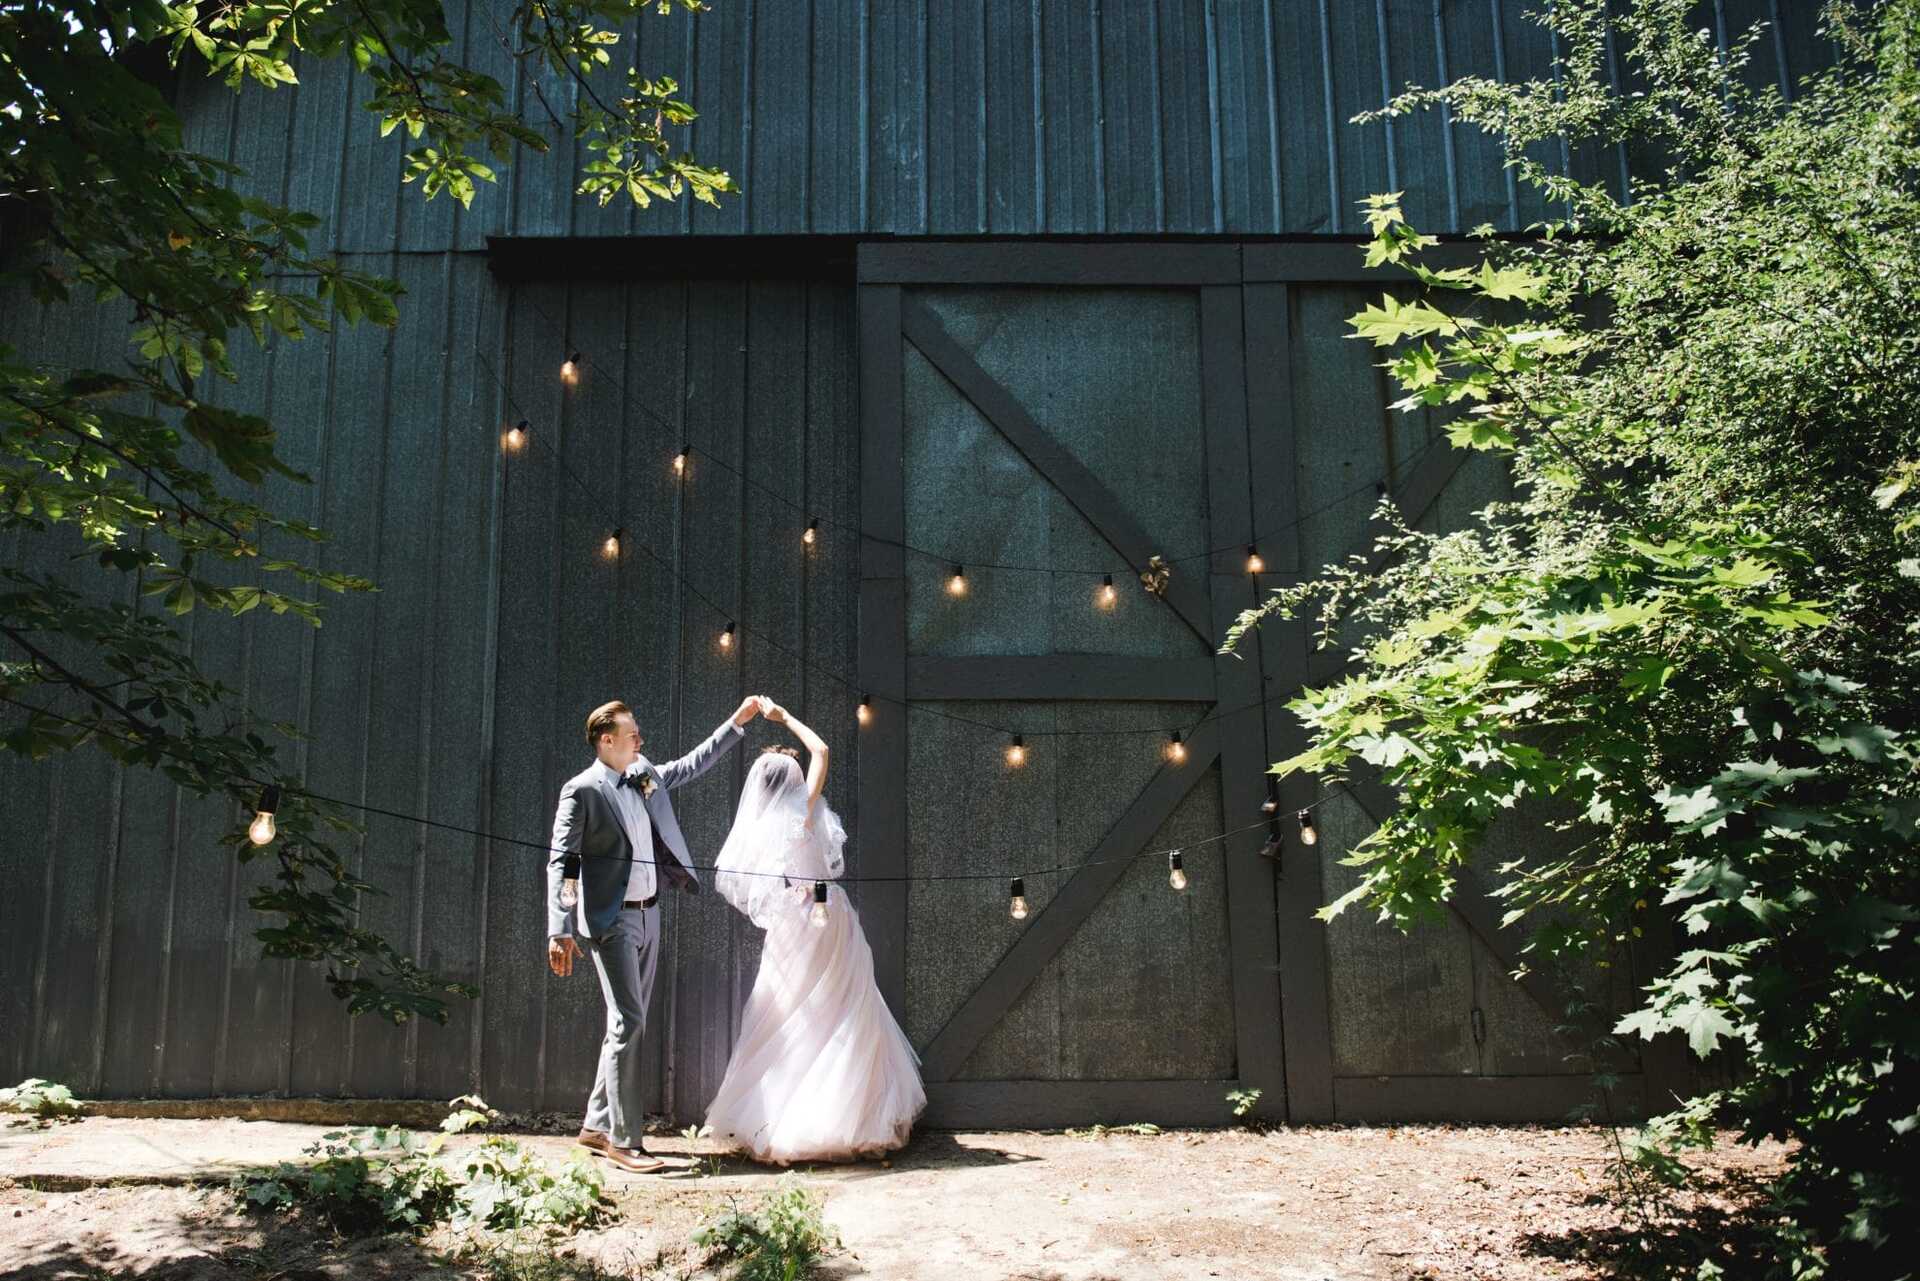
point(613, 830)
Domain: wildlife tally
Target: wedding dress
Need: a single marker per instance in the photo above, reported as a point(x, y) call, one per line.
point(821, 1071)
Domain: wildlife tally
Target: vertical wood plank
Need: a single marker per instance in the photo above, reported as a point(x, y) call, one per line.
point(1282, 648)
point(882, 843)
point(1256, 990)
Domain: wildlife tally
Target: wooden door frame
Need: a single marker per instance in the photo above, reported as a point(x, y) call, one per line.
point(1278, 947)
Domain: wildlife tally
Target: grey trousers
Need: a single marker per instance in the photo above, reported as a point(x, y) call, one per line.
point(625, 958)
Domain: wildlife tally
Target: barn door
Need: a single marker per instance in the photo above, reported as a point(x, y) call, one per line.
point(1080, 409)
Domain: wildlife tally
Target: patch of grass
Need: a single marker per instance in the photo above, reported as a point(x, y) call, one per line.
point(1101, 1131)
point(784, 1238)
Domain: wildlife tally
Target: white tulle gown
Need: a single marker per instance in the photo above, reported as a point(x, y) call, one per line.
point(821, 1071)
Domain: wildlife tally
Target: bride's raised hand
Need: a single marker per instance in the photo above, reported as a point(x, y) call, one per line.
point(774, 712)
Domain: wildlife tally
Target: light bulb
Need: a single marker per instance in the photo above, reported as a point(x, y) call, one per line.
point(1255, 565)
point(517, 435)
point(726, 637)
point(1017, 752)
point(1270, 806)
point(957, 585)
point(812, 535)
point(1273, 849)
point(570, 370)
point(1107, 596)
point(1176, 874)
point(1309, 835)
point(1176, 750)
point(612, 546)
point(817, 916)
point(261, 830)
point(864, 713)
point(680, 460)
point(1017, 904)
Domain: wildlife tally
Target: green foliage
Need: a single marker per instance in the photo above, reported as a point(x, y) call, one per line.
point(129, 473)
point(784, 1238)
point(1146, 1128)
point(40, 1100)
point(1243, 1101)
point(1691, 633)
point(375, 1179)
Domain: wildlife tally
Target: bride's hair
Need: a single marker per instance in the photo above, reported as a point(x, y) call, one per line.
point(778, 767)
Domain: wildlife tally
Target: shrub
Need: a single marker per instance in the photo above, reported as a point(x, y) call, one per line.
point(785, 1238)
point(40, 1100)
point(371, 1179)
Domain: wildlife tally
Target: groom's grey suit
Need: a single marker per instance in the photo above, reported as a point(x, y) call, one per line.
point(591, 844)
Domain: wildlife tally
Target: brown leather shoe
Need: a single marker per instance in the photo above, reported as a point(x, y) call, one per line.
point(636, 1158)
point(594, 1140)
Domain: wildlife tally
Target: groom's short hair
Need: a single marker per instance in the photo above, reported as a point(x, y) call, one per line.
point(605, 719)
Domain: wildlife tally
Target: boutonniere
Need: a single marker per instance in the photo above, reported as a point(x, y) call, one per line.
point(646, 785)
point(1156, 576)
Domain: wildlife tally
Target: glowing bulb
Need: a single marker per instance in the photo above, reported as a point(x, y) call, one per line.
point(864, 713)
point(570, 370)
point(517, 435)
point(1176, 874)
point(817, 916)
point(1254, 564)
point(957, 585)
point(612, 546)
point(1017, 905)
point(1107, 595)
point(1309, 835)
point(1017, 752)
point(680, 460)
point(812, 535)
point(261, 830)
point(726, 637)
point(1176, 750)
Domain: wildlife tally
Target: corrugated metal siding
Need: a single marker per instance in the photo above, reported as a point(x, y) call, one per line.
point(999, 117)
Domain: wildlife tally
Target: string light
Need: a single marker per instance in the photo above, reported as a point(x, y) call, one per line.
point(726, 637)
point(517, 435)
point(1107, 595)
point(1255, 565)
point(1017, 752)
point(864, 713)
point(570, 370)
point(1309, 834)
point(612, 546)
point(1273, 848)
point(813, 533)
point(680, 460)
point(1176, 874)
point(1017, 899)
point(261, 830)
point(818, 915)
point(957, 585)
point(1176, 750)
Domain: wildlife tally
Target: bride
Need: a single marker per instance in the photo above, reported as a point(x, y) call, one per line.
point(821, 1071)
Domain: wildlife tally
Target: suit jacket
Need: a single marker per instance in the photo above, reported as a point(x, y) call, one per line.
point(590, 843)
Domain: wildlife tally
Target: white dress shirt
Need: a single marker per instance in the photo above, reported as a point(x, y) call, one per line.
point(642, 881)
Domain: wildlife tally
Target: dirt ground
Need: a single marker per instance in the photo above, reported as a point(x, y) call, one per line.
point(1412, 1203)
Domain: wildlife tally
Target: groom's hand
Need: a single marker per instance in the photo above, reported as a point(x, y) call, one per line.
point(560, 954)
point(749, 708)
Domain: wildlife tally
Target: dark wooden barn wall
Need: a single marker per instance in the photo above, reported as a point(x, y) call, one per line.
point(1005, 117)
point(456, 691)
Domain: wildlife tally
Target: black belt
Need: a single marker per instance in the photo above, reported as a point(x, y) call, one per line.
point(642, 902)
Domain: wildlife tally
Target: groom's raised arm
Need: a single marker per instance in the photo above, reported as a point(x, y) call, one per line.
point(704, 757)
point(563, 858)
